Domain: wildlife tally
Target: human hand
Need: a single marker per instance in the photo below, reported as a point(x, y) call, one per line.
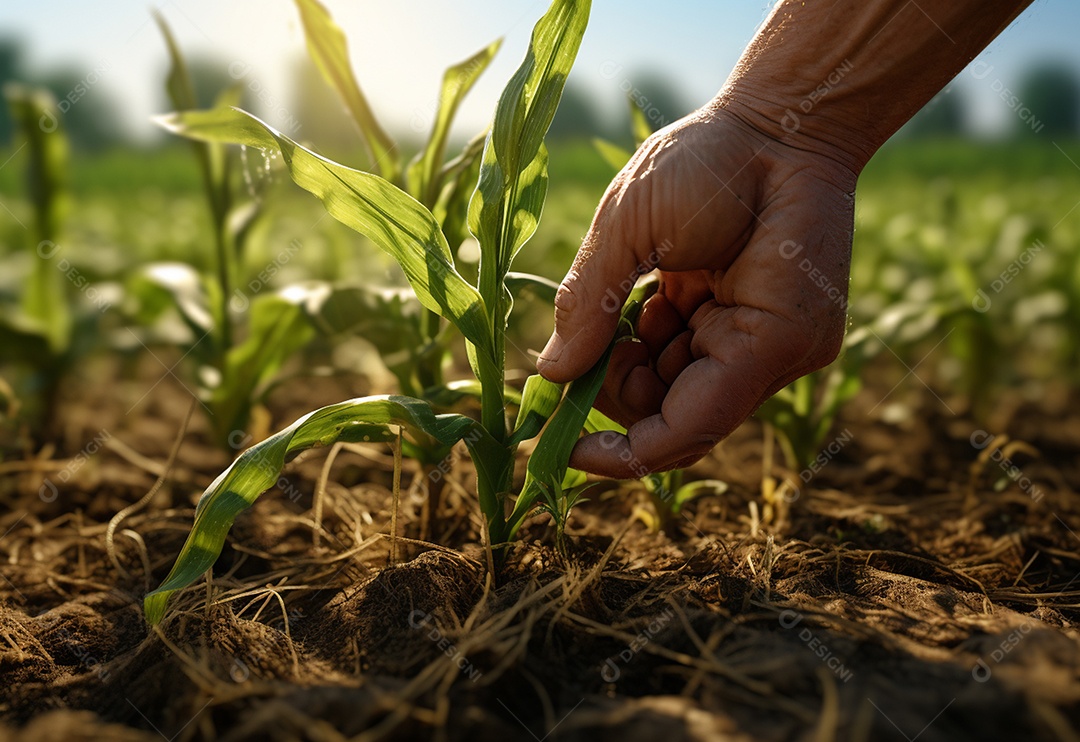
point(752, 238)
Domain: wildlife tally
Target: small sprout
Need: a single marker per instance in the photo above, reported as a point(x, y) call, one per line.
point(557, 501)
point(669, 494)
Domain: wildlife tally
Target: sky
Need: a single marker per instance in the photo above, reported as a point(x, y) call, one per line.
point(399, 49)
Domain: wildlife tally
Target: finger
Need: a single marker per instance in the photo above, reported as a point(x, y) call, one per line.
point(631, 389)
point(659, 323)
point(675, 357)
point(592, 294)
point(611, 454)
point(687, 291)
point(748, 352)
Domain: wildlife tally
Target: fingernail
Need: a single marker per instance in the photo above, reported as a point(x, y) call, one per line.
point(552, 351)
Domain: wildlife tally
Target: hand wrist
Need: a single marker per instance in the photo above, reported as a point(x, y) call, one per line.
point(796, 122)
point(839, 77)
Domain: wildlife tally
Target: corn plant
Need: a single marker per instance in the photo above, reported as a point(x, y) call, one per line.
point(669, 493)
point(412, 341)
point(556, 500)
point(803, 413)
point(238, 344)
point(234, 374)
point(441, 187)
point(503, 213)
point(613, 154)
point(36, 331)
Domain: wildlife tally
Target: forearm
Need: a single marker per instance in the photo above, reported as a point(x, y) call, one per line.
point(839, 77)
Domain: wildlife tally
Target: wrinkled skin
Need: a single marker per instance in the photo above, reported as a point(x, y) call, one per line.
point(752, 239)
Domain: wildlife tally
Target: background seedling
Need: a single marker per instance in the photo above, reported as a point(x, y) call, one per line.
point(237, 343)
point(43, 328)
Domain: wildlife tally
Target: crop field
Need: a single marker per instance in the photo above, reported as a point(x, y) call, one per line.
point(275, 463)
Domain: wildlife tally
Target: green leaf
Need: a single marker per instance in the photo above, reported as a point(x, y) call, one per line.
point(178, 83)
point(543, 288)
point(158, 285)
point(277, 327)
point(388, 216)
point(693, 490)
point(506, 205)
point(181, 91)
point(389, 319)
point(214, 166)
point(330, 52)
point(538, 400)
point(258, 468)
point(613, 154)
point(574, 478)
point(469, 156)
point(501, 236)
point(424, 171)
point(549, 461)
point(598, 421)
point(639, 125)
point(513, 175)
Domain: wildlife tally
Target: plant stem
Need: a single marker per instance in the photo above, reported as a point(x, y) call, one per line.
point(493, 478)
point(225, 284)
point(492, 370)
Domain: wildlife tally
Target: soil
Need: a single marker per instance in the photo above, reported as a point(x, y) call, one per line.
point(912, 590)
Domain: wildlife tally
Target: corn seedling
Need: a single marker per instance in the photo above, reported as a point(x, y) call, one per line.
point(37, 331)
point(802, 413)
point(412, 340)
point(556, 500)
point(613, 154)
point(668, 494)
point(801, 416)
point(232, 372)
point(503, 213)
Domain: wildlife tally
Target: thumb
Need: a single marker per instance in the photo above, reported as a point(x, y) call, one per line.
point(589, 300)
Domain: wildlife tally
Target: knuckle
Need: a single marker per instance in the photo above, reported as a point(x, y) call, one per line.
point(566, 298)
